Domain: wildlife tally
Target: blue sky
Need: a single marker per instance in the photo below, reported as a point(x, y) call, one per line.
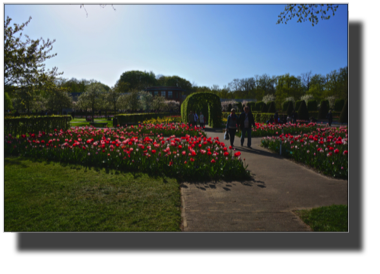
point(205, 44)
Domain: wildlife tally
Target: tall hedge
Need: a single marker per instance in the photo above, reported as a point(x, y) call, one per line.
point(251, 106)
point(285, 105)
point(260, 106)
point(290, 108)
point(298, 104)
point(312, 105)
point(339, 104)
point(323, 110)
point(34, 124)
point(197, 99)
point(344, 114)
point(271, 107)
point(303, 114)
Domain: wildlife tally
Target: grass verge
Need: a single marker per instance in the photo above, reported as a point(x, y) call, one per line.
point(42, 196)
point(326, 218)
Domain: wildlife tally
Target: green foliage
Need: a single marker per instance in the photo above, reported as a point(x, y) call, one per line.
point(271, 107)
point(290, 108)
point(339, 104)
point(303, 114)
point(7, 102)
point(195, 100)
point(260, 106)
point(285, 105)
point(306, 12)
point(344, 114)
point(323, 110)
point(58, 99)
point(24, 60)
point(262, 117)
point(312, 105)
point(298, 104)
point(92, 98)
point(136, 80)
point(251, 106)
point(128, 119)
point(22, 125)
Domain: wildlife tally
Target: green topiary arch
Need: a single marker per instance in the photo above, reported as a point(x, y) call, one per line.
point(195, 100)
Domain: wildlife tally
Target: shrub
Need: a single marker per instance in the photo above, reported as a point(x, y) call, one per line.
point(303, 114)
point(298, 104)
point(323, 110)
point(312, 105)
point(260, 106)
point(229, 107)
point(290, 108)
point(271, 107)
point(285, 105)
point(339, 105)
point(344, 114)
point(251, 106)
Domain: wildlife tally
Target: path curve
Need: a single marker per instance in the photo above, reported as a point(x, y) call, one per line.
point(266, 203)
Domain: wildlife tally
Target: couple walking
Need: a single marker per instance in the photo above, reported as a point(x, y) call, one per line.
point(245, 122)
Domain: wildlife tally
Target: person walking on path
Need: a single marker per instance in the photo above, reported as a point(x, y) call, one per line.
point(191, 119)
point(330, 117)
point(246, 121)
point(201, 120)
point(195, 119)
point(276, 117)
point(232, 125)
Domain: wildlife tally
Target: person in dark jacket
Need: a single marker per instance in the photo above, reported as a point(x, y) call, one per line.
point(246, 121)
point(232, 125)
point(276, 117)
point(330, 117)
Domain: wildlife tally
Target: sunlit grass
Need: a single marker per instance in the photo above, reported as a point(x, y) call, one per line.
point(42, 196)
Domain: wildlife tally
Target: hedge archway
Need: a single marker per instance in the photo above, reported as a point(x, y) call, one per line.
point(195, 100)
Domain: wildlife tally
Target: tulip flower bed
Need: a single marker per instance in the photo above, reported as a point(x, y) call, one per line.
point(187, 157)
point(325, 149)
point(263, 130)
point(179, 130)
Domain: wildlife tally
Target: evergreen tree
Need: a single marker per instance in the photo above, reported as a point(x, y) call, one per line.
point(290, 108)
point(303, 113)
point(312, 105)
point(323, 110)
point(271, 107)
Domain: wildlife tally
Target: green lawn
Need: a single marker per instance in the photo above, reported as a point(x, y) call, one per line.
point(80, 122)
point(42, 196)
point(326, 218)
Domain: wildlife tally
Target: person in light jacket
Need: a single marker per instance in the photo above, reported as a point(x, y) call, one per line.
point(201, 120)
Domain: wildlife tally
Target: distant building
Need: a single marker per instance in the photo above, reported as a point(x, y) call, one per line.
point(170, 93)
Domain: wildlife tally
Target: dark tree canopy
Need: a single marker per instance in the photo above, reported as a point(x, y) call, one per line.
point(306, 12)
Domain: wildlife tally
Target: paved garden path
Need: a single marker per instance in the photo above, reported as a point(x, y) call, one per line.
point(266, 202)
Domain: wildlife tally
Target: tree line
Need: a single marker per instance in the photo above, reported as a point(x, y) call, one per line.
point(29, 87)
